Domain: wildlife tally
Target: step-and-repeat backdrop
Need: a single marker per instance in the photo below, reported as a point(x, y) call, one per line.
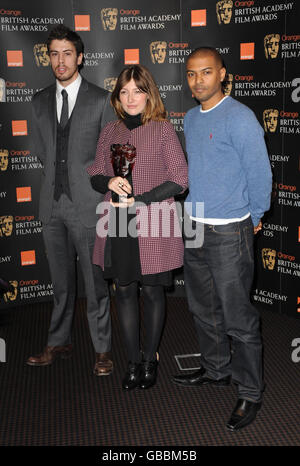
point(260, 43)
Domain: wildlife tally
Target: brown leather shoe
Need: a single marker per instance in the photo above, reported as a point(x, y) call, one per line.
point(49, 355)
point(103, 365)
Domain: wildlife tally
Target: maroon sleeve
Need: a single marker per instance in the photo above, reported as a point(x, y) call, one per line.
point(98, 167)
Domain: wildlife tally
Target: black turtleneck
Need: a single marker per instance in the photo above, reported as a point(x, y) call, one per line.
point(132, 121)
point(159, 193)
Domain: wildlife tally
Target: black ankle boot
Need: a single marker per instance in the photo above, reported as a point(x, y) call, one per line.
point(132, 377)
point(149, 374)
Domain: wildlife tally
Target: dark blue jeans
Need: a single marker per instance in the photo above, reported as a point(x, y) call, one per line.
point(218, 278)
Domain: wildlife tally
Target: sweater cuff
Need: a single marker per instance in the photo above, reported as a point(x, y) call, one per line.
point(100, 183)
point(159, 193)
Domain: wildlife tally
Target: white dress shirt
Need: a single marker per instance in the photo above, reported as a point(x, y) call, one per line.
point(72, 90)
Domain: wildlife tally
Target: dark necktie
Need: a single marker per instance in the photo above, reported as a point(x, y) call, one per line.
point(65, 109)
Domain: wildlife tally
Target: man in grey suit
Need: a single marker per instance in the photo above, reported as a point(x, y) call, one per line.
point(66, 122)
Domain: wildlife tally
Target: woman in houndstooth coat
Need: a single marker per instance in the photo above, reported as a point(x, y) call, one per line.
point(138, 241)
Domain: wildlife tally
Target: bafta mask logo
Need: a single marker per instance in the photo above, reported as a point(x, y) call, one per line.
point(2, 90)
point(268, 258)
point(228, 84)
point(224, 11)
point(270, 117)
point(109, 18)
point(158, 51)
point(3, 159)
point(11, 295)
point(271, 45)
point(6, 225)
point(110, 83)
point(41, 55)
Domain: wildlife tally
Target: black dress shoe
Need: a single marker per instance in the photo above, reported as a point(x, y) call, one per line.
point(196, 379)
point(243, 414)
point(149, 374)
point(133, 376)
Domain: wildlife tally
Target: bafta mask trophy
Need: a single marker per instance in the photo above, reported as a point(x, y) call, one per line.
point(122, 159)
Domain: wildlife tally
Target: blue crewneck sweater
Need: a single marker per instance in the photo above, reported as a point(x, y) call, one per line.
point(229, 168)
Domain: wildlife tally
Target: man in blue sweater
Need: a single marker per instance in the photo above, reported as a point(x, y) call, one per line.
point(229, 172)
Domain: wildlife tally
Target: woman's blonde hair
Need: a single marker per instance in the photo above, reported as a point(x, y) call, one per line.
point(154, 109)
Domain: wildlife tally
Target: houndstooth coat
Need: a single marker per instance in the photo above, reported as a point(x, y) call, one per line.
point(159, 158)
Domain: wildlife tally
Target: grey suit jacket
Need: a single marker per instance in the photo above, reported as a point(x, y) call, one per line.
point(90, 114)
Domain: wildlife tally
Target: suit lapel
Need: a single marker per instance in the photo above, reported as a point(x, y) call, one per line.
point(76, 120)
point(52, 115)
point(80, 103)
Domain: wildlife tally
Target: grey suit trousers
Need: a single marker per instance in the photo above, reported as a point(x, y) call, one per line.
point(65, 238)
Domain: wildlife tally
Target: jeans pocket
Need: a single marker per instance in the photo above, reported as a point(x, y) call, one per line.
point(249, 239)
point(229, 229)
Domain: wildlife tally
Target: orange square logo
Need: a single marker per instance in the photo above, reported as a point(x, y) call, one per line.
point(299, 234)
point(28, 258)
point(82, 23)
point(298, 302)
point(131, 56)
point(247, 51)
point(24, 194)
point(198, 18)
point(14, 57)
point(19, 128)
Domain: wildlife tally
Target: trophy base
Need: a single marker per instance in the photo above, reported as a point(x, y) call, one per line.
point(119, 199)
point(122, 198)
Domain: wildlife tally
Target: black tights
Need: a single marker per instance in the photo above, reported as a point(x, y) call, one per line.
point(129, 317)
